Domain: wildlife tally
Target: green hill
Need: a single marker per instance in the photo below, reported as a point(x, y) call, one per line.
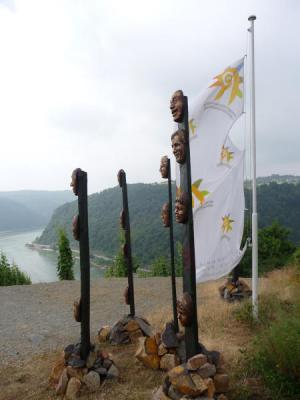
point(149, 238)
point(279, 202)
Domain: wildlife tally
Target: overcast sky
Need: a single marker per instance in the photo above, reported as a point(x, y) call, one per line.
point(87, 83)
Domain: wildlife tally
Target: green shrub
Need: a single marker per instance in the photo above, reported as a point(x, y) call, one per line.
point(11, 274)
point(65, 259)
point(276, 357)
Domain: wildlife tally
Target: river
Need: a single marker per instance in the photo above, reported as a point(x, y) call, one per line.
point(39, 265)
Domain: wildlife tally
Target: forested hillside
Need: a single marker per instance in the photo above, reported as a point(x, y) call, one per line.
point(149, 237)
point(279, 202)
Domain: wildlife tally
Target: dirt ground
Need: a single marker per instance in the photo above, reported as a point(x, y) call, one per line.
point(36, 323)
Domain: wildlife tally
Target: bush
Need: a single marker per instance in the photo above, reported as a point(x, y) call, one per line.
point(65, 260)
point(11, 274)
point(274, 249)
point(276, 357)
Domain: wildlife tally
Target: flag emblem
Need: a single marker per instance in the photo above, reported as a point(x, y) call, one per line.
point(199, 194)
point(226, 155)
point(192, 126)
point(229, 80)
point(227, 223)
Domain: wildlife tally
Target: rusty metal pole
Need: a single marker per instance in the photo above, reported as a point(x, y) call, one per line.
point(84, 263)
point(127, 247)
point(189, 272)
point(173, 274)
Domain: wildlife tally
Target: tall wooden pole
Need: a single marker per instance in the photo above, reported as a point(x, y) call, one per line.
point(189, 272)
point(173, 274)
point(127, 247)
point(84, 263)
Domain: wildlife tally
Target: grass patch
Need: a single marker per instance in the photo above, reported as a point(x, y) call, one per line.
point(273, 355)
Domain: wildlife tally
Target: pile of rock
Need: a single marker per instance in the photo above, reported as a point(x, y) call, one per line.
point(197, 379)
point(232, 291)
point(127, 330)
point(163, 350)
point(72, 376)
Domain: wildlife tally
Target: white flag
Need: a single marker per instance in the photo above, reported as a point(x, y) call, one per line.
point(217, 174)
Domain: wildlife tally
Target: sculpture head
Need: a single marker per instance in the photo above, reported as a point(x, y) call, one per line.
point(75, 227)
point(177, 106)
point(122, 219)
point(179, 146)
point(165, 215)
point(164, 168)
point(77, 310)
point(185, 309)
point(73, 183)
point(121, 173)
point(126, 295)
point(181, 208)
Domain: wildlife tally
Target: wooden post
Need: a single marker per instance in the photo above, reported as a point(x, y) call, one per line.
point(173, 274)
point(184, 214)
point(127, 247)
point(84, 263)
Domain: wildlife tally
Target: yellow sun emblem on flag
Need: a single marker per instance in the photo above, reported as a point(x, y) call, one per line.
point(192, 126)
point(199, 194)
point(229, 79)
point(226, 155)
point(227, 223)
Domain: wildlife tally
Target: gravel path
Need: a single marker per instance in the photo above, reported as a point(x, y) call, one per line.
point(39, 317)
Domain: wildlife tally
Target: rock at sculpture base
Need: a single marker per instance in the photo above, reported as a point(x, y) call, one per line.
point(125, 331)
point(196, 379)
point(72, 376)
point(235, 291)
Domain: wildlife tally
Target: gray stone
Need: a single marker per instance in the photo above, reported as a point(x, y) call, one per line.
point(174, 394)
point(92, 381)
point(118, 335)
point(113, 372)
point(144, 325)
point(207, 370)
point(76, 363)
point(168, 336)
point(101, 371)
point(107, 363)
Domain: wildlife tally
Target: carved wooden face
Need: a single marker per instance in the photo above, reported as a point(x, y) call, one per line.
point(122, 219)
point(177, 106)
point(164, 167)
point(73, 183)
point(120, 176)
point(181, 208)
point(185, 309)
point(75, 227)
point(165, 215)
point(178, 147)
point(126, 295)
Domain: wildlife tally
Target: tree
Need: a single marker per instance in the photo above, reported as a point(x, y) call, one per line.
point(274, 250)
point(65, 260)
point(11, 274)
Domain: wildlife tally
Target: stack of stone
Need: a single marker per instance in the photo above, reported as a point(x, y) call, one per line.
point(72, 376)
point(127, 330)
point(163, 350)
point(232, 291)
point(197, 379)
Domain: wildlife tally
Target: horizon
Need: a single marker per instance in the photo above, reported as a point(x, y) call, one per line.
point(136, 183)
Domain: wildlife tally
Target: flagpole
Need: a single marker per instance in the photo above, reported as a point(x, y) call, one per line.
point(252, 18)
